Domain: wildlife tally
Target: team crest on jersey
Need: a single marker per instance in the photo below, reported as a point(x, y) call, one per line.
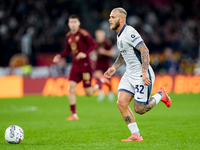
point(77, 38)
point(69, 40)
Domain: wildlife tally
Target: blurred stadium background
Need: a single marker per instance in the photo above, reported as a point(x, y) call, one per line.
point(33, 31)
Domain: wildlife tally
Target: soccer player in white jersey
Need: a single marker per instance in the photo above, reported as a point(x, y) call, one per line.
point(137, 81)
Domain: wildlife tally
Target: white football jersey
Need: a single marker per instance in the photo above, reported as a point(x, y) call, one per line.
point(127, 41)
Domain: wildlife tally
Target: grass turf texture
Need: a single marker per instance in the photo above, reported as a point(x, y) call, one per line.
point(100, 125)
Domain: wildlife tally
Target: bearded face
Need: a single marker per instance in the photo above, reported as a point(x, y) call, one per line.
point(115, 25)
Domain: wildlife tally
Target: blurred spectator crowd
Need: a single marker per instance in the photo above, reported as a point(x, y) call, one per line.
point(170, 28)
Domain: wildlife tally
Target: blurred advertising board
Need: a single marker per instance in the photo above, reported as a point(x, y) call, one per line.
point(18, 86)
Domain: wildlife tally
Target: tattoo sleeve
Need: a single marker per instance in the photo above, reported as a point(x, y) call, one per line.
point(119, 61)
point(144, 56)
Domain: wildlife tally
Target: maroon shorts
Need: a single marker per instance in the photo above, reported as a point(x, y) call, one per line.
point(85, 76)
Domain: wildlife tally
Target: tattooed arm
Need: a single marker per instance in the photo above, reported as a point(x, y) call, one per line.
point(119, 61)
point(144, 56)
point(145, 63)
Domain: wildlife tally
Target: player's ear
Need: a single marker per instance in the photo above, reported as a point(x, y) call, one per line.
point(122, 19)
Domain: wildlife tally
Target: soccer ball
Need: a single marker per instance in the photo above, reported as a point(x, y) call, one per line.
point(14, 134)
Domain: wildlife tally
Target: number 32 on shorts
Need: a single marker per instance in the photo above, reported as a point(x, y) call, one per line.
point(139, 89)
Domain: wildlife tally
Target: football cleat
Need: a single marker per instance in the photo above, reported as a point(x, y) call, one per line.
point(133, 137)
point(72, 117)
point(105, 80)
point(165, 99)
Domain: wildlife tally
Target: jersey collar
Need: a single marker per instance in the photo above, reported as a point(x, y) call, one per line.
point(122, 29)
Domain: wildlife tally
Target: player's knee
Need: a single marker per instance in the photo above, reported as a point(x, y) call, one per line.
point(121, 103)
point(88, 93)
point(72, 90)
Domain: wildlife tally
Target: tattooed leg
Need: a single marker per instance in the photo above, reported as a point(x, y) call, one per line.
point(143, 108)
point(123, 101)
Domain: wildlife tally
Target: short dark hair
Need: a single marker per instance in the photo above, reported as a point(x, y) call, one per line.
point(74, 16)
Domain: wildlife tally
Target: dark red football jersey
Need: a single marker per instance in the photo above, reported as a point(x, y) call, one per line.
point(103, 62)
point(81, 41)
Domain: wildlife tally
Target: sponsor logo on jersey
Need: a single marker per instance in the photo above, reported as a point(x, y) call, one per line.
point(132, 35)
point(74, 48)
point(135, 39)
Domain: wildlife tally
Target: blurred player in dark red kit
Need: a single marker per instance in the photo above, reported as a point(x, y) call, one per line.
point(104, 54)
point(80, 43)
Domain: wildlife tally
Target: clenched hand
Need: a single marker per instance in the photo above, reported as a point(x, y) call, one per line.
point(109, 72)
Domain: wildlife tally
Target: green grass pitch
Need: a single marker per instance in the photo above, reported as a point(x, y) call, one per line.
point(100, 126)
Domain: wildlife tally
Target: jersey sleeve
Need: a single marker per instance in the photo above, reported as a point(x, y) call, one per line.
point(133, 37)
point(89, 40)
point(67, 49)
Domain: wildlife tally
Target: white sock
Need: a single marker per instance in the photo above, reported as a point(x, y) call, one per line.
point(111, 96)
point(133, 128)
point(74, 114)
point(102, 81)
point(101, 95)
point(96, 87)
point(157, 97)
